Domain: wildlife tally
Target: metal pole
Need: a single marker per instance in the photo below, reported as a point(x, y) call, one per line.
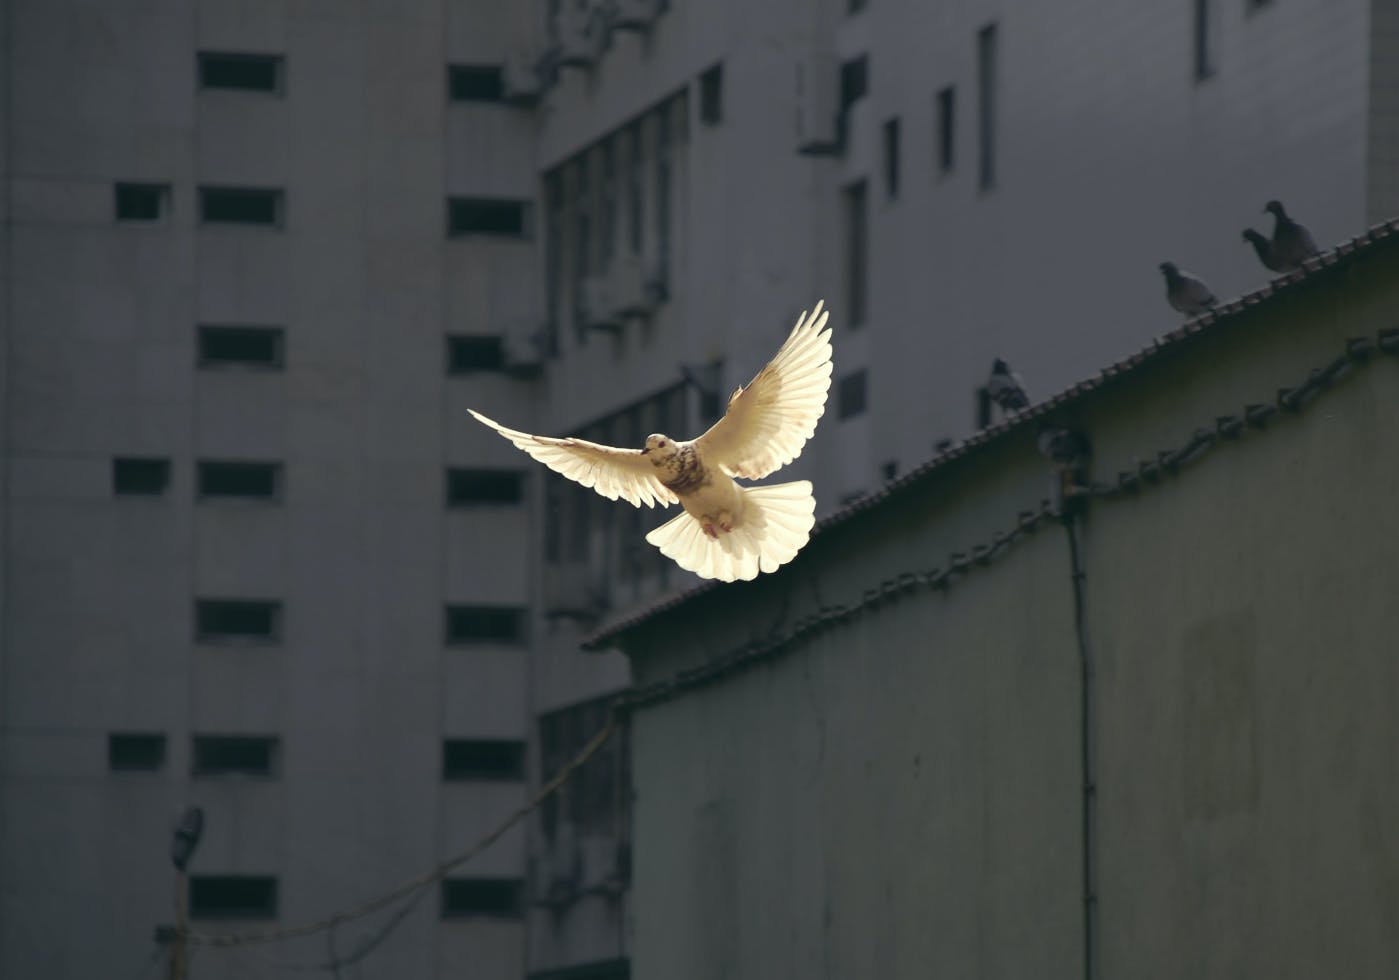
point(177, 945)
point(1088, 759)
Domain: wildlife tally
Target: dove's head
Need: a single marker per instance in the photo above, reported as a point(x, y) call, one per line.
point(659, 448)
point(1169, 268)
point(999, 366)
point(1275, 209)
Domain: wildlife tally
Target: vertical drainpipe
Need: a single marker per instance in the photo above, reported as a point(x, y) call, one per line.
point(1087, 746)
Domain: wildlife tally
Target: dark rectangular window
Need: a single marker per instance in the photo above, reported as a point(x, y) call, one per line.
point(244, 72)
point(245, 481)
point(130, 752)
point(250, 755)
point(711, 96)
point(663, 176)
point(237, 619)
point(891, 157)
point(856, 254)
point(475, 83)
point(553, 258)
point(485, 624)
point(468, 354)
point(636, 210)
point(947, 129)
point(1204, 40)
point(854, 81)
point(140, 477)
point(608, 216)
point(486, 898)
point(850, 396)
point(240, 206)
point(487, 216)
point(232, 897)
point(986, 104)
point(468, 487)
point(498, 760)
point(248, 347)
point(582, 203)
point(141, 202)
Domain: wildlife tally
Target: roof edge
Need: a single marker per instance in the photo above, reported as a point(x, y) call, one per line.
point(1336, 257)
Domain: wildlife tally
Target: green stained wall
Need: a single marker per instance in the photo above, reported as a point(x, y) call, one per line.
point(900, 795)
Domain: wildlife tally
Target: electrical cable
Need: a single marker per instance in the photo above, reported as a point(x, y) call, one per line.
point(440, 871)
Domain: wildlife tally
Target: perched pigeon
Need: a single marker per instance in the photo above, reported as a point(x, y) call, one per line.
point(727, 531)
point(1005, 388)
point(1185, 292)
point(1263, 246)
point(1292, 243)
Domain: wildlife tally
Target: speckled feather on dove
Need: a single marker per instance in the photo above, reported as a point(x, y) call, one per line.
point(727, 531)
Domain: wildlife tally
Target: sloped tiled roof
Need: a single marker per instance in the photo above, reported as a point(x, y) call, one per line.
point(1339, 256)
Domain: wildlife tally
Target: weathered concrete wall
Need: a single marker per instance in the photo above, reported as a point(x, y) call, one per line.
point(901, 795)
point(1244, 623)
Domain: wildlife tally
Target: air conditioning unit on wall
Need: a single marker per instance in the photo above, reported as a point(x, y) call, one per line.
point(521, 80)
point(581, 36)
point(628, 292)
point(523, 349)
point(599, 308)
point(635, 15)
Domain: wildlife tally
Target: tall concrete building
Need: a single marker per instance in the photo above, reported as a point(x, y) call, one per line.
point(259, 257)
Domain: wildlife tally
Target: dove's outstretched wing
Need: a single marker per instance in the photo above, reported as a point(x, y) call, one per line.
point(615, 473)
point(769, 422)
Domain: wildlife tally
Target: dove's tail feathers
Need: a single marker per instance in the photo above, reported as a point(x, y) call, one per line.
point(776, 523)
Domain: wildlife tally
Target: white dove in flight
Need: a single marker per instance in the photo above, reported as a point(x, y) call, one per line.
point(727, 531)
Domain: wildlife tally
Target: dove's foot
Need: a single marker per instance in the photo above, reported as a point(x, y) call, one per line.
point(726, 526)
point(709, 529)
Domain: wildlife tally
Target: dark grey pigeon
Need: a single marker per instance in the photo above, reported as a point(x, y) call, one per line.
point(1185, 292)
point(1292, 243)
point(1263, 246)
point(1005, 388)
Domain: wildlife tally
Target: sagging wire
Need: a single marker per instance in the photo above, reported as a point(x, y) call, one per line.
point(959, 563)
point(939, 579)
point(1256, 416)
point(417, 884)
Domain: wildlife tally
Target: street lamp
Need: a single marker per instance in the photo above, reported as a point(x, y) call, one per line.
point(182, 846)
point(187, 834)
